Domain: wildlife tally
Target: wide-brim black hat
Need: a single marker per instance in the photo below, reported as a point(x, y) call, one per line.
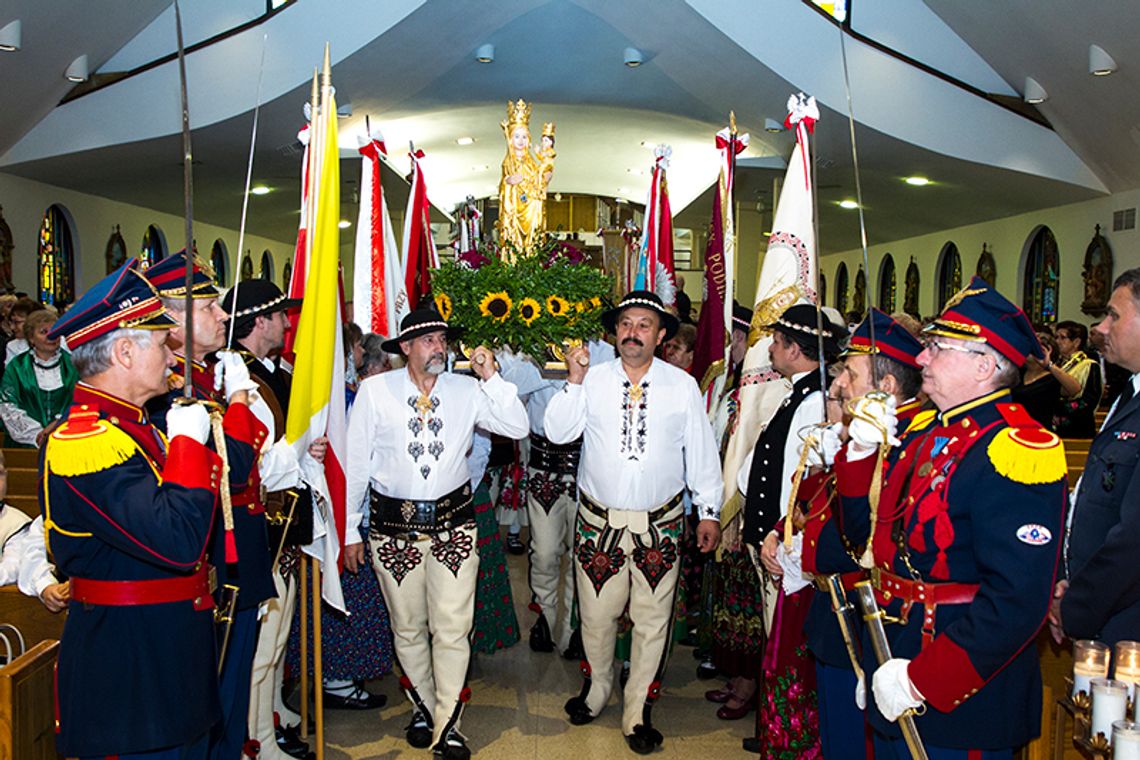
point(255, 298)
point(420, 322)
point(645, 300)
point(800, 323)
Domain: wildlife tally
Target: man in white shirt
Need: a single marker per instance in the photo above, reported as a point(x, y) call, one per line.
point(645, 440)
point(409, 434)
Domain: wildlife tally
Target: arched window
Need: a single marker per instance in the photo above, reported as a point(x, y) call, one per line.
point(246, 267)
point(116, 252)
point(949, 273)
point(822, 288)
point(859, 299)
point(910, 294)
point(266, 270)
point(286, 275)
point(841, 288)
point(1041, 280)
point(57, 258)
point(887, 284)
point(219, 260)
point(153, 246)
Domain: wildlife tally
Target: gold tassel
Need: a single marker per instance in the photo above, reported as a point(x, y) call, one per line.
point(873, 495)
point(1030, 456)
point(797, 478)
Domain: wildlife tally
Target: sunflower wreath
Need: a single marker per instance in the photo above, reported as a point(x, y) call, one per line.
point(542, 299)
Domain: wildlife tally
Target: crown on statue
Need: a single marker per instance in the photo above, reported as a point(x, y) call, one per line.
point(518, 115)
point(548, 129)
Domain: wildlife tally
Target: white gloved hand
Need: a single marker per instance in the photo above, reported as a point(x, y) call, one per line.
point(873, 422)
point(861, 694)
point(231, 373)
point(894, 692)
point(190, 420)
point(827, 445)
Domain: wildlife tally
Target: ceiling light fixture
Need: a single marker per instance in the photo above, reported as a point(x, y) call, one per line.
point(344, 224)
point(259, 190)
point(1101, 64)
point(1034, 92)
point(77, 71)
point(917, 181)
point(848, 204)
point(10, 37)
point(464, 140)
point(773, 126)
point(631, 57)
point(344, 110)
point(485, 53)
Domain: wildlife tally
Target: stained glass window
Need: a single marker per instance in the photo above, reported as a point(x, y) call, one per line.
point(841, 288)
point(888, 286)
point(57, 259)
point(219, 260)
point(153, 247)
point(949, 273)
point(1042, 278)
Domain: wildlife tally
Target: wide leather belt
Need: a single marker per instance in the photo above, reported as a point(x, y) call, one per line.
point(929, 595)
point(561, 459)
point(636, 521)
point(195, 588)
point(251, 498)
point(416, 520)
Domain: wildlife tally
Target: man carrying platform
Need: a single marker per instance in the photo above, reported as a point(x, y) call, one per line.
point(240, 555)
point(966, 538)
point(128, 513)
point(645, 439)
point(408, 437)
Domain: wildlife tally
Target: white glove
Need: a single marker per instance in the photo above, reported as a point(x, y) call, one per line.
point(827, 445)
point(894, 692)
point(861, 694)
point(873, 422)
point(231, 372)
point(190, 420)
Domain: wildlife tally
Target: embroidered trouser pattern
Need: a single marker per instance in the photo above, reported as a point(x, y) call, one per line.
point(429, 587)
point(552, 508)
point(271, 642)
point(616, 566)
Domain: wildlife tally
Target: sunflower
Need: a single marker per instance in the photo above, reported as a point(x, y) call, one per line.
point(443, 305)
point(596, 302)
point(557, 306)
point(497, 306)
point(581, 306)
point(529, 310)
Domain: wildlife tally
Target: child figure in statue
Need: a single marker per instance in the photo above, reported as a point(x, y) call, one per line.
point(522, 189)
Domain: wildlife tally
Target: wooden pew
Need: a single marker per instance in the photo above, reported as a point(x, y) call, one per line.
point(23, 479)
point(30, 616)
point(27, 704)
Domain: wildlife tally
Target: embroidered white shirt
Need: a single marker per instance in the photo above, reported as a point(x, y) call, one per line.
point(643, 443)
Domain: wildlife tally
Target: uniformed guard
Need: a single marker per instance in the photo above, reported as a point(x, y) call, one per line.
point(240, 555)
point(128, 511)
point(966, 538)
point(408, 438)
point(888, 362)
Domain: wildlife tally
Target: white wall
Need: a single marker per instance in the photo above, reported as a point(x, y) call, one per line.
point(24, 203)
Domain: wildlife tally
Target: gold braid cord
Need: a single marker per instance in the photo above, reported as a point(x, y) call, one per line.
point(809, 442)
point(224, 484)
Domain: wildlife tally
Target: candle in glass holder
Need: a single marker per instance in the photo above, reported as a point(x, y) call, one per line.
point(1125, 740)
point(1109, 704)
point(1090, 660)
point(1127, 666)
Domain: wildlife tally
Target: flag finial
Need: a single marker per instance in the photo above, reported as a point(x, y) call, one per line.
point(732, 122)
point(326, 72)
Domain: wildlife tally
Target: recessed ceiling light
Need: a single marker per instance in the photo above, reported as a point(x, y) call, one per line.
point(773, 126)
point(259, 190)
point(632, 57)
point(344, 224)
point(848, 204)
point(10, 37)
point(464, 140)
point(485, 53)
point(917, 181)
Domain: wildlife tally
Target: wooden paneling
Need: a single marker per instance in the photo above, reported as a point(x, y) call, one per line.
point(30, 616)
point(27, 705)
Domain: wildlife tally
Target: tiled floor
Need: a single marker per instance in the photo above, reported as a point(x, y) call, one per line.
point(516, 711)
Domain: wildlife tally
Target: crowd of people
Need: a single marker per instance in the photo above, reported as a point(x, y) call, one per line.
point(923, 459)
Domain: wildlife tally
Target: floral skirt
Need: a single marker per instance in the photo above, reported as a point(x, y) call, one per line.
point(354, 647)
point(789, 713)
point(496, 625)
point(737, 616)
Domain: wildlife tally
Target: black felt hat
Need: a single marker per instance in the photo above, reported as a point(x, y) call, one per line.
point(419, 322)
point(801, 324)
point(645, 300)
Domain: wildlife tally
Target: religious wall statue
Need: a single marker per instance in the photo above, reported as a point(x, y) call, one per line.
point(526, 174)
point(987, 266)
point(1097, 275)
point(910, 294)
point(859, 300)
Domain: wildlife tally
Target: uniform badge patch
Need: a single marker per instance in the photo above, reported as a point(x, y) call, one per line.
point(1034, 535)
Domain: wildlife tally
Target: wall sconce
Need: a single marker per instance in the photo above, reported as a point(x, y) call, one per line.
point(1101, 64)
point(77, 71)
point(1034, 92)
point(10, 37)
point(632, 57)
point(485, 53)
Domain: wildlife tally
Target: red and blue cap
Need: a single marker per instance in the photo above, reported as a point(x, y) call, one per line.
point(980, 314)
point(122, 299)
point(891, 339)
point(169, 277)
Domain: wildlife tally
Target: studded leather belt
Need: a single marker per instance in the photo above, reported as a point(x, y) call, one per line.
point(561, 459)
point(413, 520)
point(929, 595)
point(195, 588)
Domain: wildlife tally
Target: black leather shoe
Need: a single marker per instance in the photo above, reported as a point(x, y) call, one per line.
point(418, 732)
point(540, 639)
point(706, 670)
point(751, 744)
point(644, 740)
point(452, 747)
point(515, 545)
point(578, 712)
point(289, 741)
point(357, 699)
point(575, 651)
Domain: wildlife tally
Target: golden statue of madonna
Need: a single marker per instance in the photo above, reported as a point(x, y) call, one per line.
point(526, 174)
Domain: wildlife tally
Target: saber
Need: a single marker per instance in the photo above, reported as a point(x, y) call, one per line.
point(844, 614)
point(873, 617)
point(188, 210)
